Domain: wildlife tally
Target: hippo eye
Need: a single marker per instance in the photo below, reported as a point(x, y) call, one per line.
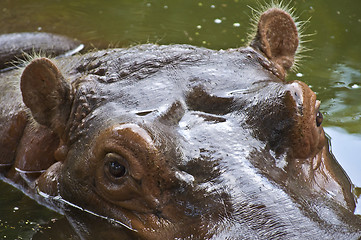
point(115, 165)
point(319, 118)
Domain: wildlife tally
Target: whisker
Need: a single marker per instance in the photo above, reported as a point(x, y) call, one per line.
point(27, 171)
point(60, 199)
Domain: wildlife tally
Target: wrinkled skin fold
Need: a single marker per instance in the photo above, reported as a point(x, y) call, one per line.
point(165, 142)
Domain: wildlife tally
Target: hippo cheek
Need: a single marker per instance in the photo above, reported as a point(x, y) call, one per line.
point(122, 191)
point(127, 169)
point(35, 153)
point(134, 182)
point(310, 146)
point(48, 182)
point(307, 137)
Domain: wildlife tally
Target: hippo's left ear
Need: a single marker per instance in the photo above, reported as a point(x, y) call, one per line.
point(277, 37)
point(46, 93)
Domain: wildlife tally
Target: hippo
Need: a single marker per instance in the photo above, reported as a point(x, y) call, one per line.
point(177, 142)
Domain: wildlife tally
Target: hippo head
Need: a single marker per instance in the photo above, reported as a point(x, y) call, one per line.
point(179, 141)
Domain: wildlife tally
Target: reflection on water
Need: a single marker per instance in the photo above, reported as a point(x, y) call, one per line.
point(342, 106)
point(345, 147)
point(21, 217)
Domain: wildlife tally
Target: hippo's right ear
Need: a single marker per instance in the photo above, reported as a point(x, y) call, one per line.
point(46, 93)
point(277, 37)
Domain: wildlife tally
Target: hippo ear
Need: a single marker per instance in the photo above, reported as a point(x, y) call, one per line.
point(46, 93)
point(277, 37)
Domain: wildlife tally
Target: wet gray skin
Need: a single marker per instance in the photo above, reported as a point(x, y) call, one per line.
point(165, 142)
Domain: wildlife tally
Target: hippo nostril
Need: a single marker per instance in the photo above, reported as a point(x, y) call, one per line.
point(144, 113)
point(319, 118)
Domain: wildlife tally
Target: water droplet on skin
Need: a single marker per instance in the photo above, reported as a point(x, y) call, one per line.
point(217, 20)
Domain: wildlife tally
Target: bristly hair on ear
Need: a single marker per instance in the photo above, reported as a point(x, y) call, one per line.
point(301, 27)
point(19, 62)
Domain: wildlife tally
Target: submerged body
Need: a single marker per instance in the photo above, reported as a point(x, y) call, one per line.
point(177, 141)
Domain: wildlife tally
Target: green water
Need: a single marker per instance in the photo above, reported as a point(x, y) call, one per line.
point(332, 68)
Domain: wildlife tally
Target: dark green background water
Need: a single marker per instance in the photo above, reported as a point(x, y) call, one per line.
point(332, 68)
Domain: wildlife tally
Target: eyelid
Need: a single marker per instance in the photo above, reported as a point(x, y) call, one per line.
point(117, 157)
point(114, 155)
